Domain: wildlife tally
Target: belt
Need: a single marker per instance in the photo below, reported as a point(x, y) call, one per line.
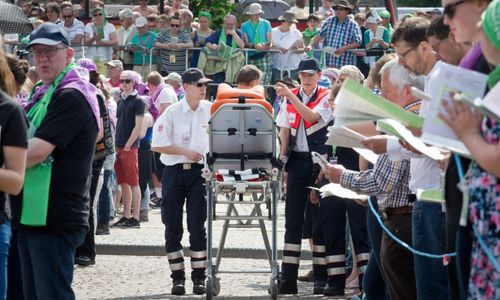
point(187, 166)
point(388, 212)
point(301, 155)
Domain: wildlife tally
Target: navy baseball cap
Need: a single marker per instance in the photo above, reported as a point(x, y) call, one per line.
point(309, 66)
point(49, 34)
point(194, 75)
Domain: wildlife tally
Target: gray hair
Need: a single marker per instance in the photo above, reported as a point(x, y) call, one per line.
point(400, 76)
point(127, 13)
point(230, 17)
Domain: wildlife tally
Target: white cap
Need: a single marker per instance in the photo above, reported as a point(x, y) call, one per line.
point(140, 22)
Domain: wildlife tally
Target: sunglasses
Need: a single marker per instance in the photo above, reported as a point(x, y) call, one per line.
point(97, 15)
point(200, 84)
point(175, 25)
point(125, 80)
point(67, 17)
point(450, 9)
point(340, 8)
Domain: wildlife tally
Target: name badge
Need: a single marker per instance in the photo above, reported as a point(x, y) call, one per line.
point(172, 58)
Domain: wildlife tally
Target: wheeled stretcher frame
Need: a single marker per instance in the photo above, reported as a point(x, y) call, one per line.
point(242, 135)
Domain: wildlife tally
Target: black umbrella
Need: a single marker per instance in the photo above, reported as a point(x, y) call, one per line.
point(12, 19)
point(273, 9)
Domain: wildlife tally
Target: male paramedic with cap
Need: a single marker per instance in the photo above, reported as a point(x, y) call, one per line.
point(64, 121)
point(303, 119)
point(180, 135)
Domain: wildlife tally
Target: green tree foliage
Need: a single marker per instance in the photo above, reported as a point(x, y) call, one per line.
point(418, 3)
point(218, 9)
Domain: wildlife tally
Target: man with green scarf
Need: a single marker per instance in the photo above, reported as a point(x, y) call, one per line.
point(64, 121)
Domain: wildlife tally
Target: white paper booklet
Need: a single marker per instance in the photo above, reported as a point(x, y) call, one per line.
point(334, 189)
point(344, 137)
point(490, 105)
point(397, 129)
point(367, 154)
point(444, 80)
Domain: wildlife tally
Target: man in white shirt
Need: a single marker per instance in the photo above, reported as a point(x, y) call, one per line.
point(428, 224)
point(181, 137)
point(125, 34)
point(303, 119)
point(74, 27)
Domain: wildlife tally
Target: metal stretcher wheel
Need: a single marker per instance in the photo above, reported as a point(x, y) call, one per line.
point(216, 286)
point(273, 285)
point(208, 290)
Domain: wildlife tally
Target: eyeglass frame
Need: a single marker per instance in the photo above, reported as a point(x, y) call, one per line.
point(125, 81)
point(48, 52)
point(450, 9)
point(403, 55)
point(436, 47)
point(199, 84)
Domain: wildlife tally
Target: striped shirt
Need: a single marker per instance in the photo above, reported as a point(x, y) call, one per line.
point(388, 180)
point(172, 60)
point(337, 34)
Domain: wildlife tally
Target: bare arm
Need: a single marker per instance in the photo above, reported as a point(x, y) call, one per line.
point(12, 176)
point(284, 138)
point(135, 133)
point(38, 151)
point(308, 114)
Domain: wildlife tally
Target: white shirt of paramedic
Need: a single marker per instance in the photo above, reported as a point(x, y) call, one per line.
point(284, 119)
point(180, 126)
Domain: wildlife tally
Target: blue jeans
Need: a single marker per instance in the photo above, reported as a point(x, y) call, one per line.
point(374, 281)
point(47, 263)
point(5, 234)
point(428, 231)
point(104, 202)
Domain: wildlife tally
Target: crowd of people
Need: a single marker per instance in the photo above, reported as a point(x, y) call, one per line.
point(94, 122)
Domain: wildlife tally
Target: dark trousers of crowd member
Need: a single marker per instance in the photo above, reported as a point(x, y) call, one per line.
point(374, 283)
point(104, 202)
point(335, 238)
point(47, 263)
point(14, 277)
point(145, 161)
point(87, 249)
point(454, 198)
point(183, 183)
point(397, 262)
point(299, 168)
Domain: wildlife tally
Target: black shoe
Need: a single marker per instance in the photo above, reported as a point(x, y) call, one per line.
point(102, 229)
point(178, 287)
point(132, 223)
point(84, 261)
point(198, 286)
point(319, 288)
point(287, 288)
point(333, 291)
point(308, 277)
point(121, 222)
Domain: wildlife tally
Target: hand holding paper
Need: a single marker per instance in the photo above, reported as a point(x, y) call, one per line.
point(463, 120)
point(334, 189)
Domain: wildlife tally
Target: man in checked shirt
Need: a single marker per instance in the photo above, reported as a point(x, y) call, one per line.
point(388, 180)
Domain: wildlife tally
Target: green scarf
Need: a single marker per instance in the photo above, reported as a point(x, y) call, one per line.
point(37, 178)
point(226, 51)
point(255, 27)
point(494, 77)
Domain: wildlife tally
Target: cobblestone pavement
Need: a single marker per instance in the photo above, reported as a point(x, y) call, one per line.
point(147, 277)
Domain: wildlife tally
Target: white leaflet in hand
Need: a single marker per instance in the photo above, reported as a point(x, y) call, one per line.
point(367, 154)
point(491, 102)
point(415, 142)
point(319, 159)
point(331, 50)
point(443, 80)
point(334, 189)
point(344, 137)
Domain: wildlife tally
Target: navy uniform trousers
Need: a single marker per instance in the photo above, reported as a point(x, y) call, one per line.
point(300, 170)
point(179, 186)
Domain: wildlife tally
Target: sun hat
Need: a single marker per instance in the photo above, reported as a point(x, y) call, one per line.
point(254, 9)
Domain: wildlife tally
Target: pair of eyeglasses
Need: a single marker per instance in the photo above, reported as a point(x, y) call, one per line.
point(404, 54)
point(67, 17)
point(175, 25)
point(200, 84)
point(125, 80)
point(450, 9)
point(47, 52)
point(97, 15)
point(435, 48)
point(340, 8)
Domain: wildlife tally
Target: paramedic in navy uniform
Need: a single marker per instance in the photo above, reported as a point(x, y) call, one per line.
point(303, 119)
point(180, 135)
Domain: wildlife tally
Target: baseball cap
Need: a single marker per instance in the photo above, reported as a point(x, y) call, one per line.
point(115, 63)
point(309, 66)
point(194, 75)
point(140, 22)
point(49, 34)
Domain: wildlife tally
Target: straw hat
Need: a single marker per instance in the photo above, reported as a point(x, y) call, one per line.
point(254, 9)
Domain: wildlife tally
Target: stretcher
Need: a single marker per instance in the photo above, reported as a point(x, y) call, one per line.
point(242, 169)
